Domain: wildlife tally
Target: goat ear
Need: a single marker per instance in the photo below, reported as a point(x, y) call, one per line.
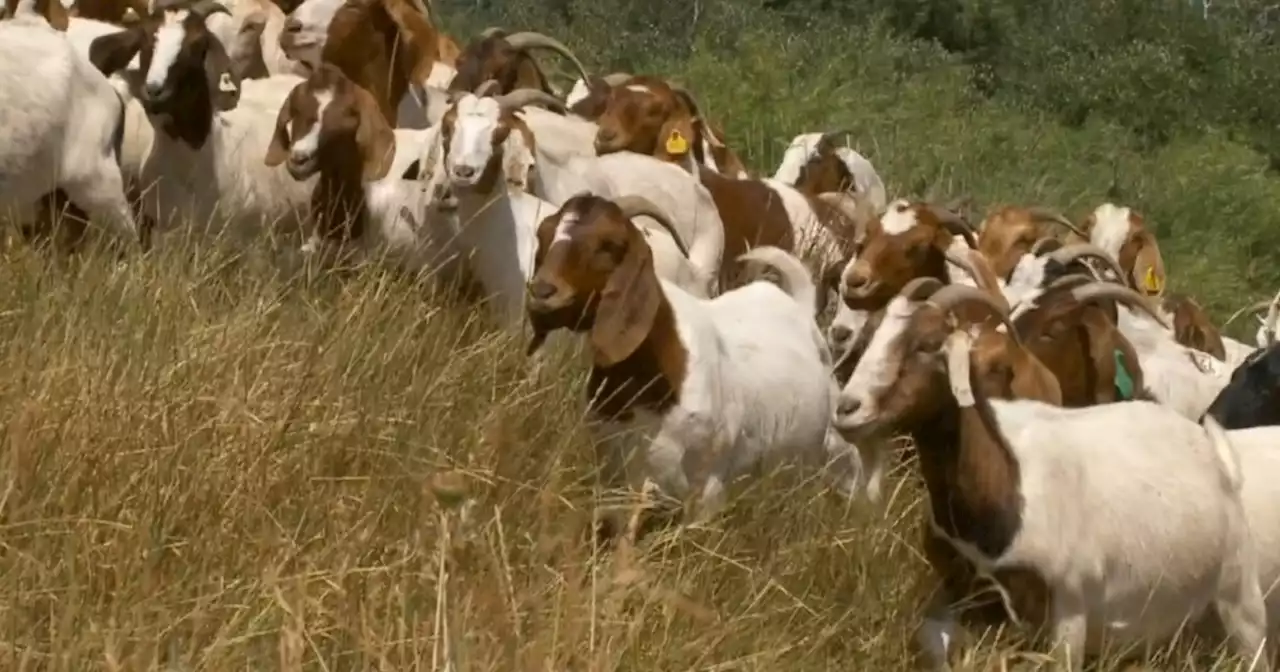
point(112, 53)
point(224, 83)
point(1148, 266)
point(56, 15)
point(374, 136)
point(628, 305)
point(278, 150)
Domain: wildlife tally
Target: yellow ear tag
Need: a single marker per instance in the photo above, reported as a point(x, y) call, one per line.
point(676, 144)
point(1151, 282)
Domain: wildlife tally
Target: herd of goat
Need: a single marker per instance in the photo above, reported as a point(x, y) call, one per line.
point(1091, 444)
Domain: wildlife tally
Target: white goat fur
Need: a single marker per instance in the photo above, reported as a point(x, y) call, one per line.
point(1083, 474)
point(245, 13)
point(865, 178)
point(758, 390)
point(62, 128)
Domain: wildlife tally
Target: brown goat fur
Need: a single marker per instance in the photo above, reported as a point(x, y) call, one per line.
point(885, 262)
point(383, 45)
point(601, 279)
point(52, 11)
point(825, 172)
point(648, 116)
point(753, 215)
point(1192, 326)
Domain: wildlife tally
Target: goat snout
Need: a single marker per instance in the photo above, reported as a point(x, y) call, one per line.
point(302, 165)
point(605, 137)
point(464, 172)
point(155, 92)
point(546, 296)
point(840, 335)
point(292, 25)
point(848, 406)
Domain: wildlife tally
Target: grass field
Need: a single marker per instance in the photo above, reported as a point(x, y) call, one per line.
point(207, 468)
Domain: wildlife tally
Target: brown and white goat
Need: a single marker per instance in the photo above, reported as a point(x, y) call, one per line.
point(331, 127)
point(506, 58)
point(385, 46)
point(649, 116)
point(1010, 232)
point(1016, 483)
point(815, 164)
point(1123, 233)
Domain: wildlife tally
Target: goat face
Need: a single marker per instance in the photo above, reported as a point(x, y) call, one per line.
point(636, 116)
point(329, 119)
point(811, 164)
point(480, 146)
point(909, 240)
point(1252, 398)
point(593, 271)
point(307, 29)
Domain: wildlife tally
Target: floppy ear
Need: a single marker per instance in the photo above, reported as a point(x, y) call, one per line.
point(224, 83)
point(517, 155)
point(1148, 266)
point(374, 136)
point(112, 53)
point(278, 150)
point(628, 305)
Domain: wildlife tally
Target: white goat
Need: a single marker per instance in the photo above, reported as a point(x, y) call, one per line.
point(715, 387)
point(64, 125)
point(1061, 483)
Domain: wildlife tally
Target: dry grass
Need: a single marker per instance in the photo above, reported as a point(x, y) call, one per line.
point(205, 468)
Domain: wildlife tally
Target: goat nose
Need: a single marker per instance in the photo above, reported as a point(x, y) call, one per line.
point(854, 281)
point(839, 334)
point(606, 135)
point(152, 89)
point(542, 290)
point(848, 406)
point(292, 25)
point(463, 171)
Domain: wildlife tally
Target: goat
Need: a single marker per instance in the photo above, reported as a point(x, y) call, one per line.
point(66, 126)
point(205, 165)
point(385, 46)
point(1266, 333)
point(716, 386)
point(1016, 485)
point(332, 127)
point(504, 58)
point(1252, 397)
point(250, 31)
point(814, 164)
point(647, 115)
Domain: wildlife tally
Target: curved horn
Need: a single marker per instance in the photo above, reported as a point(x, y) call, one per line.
point(1071, 280)
point(522, 97)
point(634, 206)
point(1252, 308)
point(1096, 291)
point(1047, 215)
point(696, 110)
point(492, 31)
point(1045, 245)
point(954, 223)
point(828, 137)
point(531, 40)
point(968, 266)
point(951, 296)
point(617, 78)
point(1069, 253)
point(488, 88)
point(921, 288)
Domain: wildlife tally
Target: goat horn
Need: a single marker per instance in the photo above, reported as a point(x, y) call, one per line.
point(1069, 253)
point(492, 31)
point(951, 296)
point(530, 40)
point(487, 88)
point(1252, 308)
point(1070, 280)
point(1047, 215)
point(616, 78)
point(921, 288)
point(954, 223)
point(522, 97)
point(696, 111)
point(633, 205)
point(828, 137)
point(1095, 291)
point(968, 266)
point(1042, 246)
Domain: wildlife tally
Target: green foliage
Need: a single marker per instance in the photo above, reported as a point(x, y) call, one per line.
point(1035, 102)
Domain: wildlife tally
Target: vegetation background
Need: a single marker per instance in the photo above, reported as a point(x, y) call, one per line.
point(206, 468)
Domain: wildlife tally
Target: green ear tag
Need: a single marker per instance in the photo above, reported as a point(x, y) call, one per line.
point(1124, 383)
